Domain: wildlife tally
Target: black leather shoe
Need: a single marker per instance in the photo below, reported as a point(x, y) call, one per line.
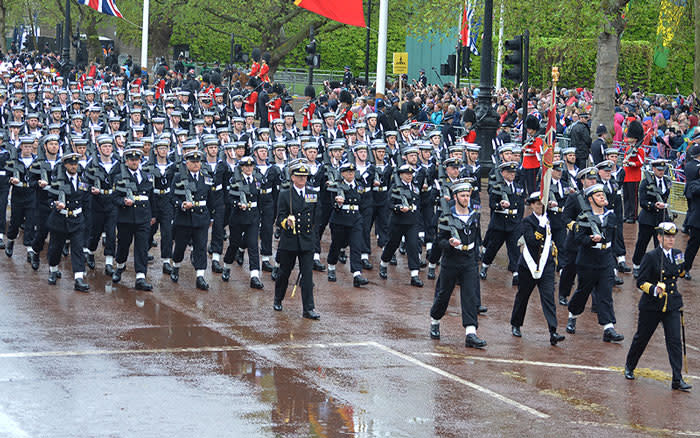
point(635, 272)
point(359, 281)
point(482, 309)
point(239, 257)
point(66, 250)
point(109, 270)
point(422, 263)
point(53, 276)
point(266, 266)
point(274, 273)
point(2, 243)
point(563, 301)
point(201, 283)
point(80, 285)
point(117, 276)
point(153, 243)
point(629, 374)
point(90, 261)
point(680, 385)
point(622, 267)
point(142, 284)
point(416, 281)
point(226, 275)
point(393, 261)
point(366, 265)
point(311, 314)
point(431, 273)
point(473, 341)
point(58, 274)
point(277, 305)
point(318, 266)
point(29, 257)
point(484, 272)
point(571, 325)
point(629, 221)
point(382, 272)
point(555, 338)
point(216, 267)
point(175, 274)
point(342, 258)
point(688, 276)
point(167, 268)
point(9, 248)
point(35, 261)
point(150, 258)
point(610, 335)
point(515, 331)
point(331, 275)
point(619, 281)
point(255, 283)
point(434, 331)
point(402, 248)
point(515, 280)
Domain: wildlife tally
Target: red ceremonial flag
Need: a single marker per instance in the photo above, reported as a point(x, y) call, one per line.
point(345, 11)
point(548, 148)
point(464, 31)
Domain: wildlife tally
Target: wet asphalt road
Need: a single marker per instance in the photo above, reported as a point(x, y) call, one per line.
point(180, 363)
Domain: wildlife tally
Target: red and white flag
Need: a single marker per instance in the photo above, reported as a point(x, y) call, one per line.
point(104, 6)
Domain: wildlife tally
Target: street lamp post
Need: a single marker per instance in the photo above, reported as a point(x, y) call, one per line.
point(486, 116)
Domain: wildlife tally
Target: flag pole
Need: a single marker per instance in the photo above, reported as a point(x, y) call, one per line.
point(549, 141)
point(144, 35)
point(381, 48)
point(499, 57)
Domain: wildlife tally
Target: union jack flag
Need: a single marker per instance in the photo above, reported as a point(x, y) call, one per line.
point(104, 6)
point(470, 28)
point(618, 89)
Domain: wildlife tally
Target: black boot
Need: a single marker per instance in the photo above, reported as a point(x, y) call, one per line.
point(318, 266)
point(680, 385)
point(255, 283)
point(366, 265)
point(66, 250)
point(416, 281)
point(35, 261)
point(431, 273)
point(201, 283)
point(266, 266)
point(382, 272)
point(473, 341)
point(274, 273)
point(610, 335)
point(555, 338)
point(2, 243)
point(90, 261)
point(117, 276)
point(142, 284)
point(53, 276)
point(359, 281)
point(239, 257)
point(167, 268)
point(622, 267)
point(393, 261)
point(484, 272)
point(635, 272)
point(563, 301)
point(175, 274)
point(80, 285)
point(342, 258)
point(482, 309)
point(434, 330)
point(216, 267)
point(515, 281)
point(571, 326)
point(618, 280)
point(402, 248)
point(9, 248)
point(226, 275)
point(331, 275)
point(515, 331)
point(109, 270)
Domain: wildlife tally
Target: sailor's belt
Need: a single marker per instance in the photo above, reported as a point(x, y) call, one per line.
point(556, 209)
point(162, 192)
point(105, 192)
point(529, 154)
point(141, 198)
point(3, 172)
point(506, 211)
point(250, 204)
point(350, 207)
point(465, 247)
point(22, 184)
point(602, 245)
point(200, 203)
point(266, 191)
point(412, 207)
point(71, 213)
point(427, 189)
point(362, 190)
point(217, 187)
point(380, 189)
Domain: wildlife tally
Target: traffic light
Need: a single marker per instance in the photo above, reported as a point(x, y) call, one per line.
point(313, 59)
point(239, 55)
point(514, 59)
point(452, 64)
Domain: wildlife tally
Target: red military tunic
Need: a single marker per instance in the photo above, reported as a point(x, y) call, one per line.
point(251, 102)
point(531, 153)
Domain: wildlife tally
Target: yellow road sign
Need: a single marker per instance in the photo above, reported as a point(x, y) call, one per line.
point(400, 63)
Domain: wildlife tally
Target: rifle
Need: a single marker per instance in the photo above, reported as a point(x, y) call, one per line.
point(95, 174)
point(243, 190)
point(184, 183)
point(653, 190)
point(127, 187)
point(399, 191)
point(585, 218)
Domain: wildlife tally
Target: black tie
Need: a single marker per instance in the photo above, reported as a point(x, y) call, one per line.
point(668, 257)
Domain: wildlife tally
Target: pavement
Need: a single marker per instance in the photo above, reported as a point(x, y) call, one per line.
point(179, 362)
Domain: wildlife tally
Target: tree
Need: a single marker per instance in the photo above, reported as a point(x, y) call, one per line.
point(3, 25)
point(608, 57)
point(696, 75)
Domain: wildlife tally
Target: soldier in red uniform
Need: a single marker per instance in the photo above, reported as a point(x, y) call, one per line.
point(634, 159)
point(251, 99)
point(274, 105)
point(309, 107)
point(344, 115)
point(532, 151)
point(264, 70)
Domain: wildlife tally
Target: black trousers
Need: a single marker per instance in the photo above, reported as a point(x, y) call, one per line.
point(56, 241)
point(468, 280)
point(410, 232)
point(140, 234)
point(646, 325)
point(644, 235)
point(198, 236)
point(287, 259)
point(243, 235)
point(496, 240)
point(691, 249)
point(545, 285)
point(630, 191)
point(559, 239)
point(4, 197)
point(103, 221)
point(619, 248)
point(428, 224)
point(41, 231)
point(220, 217)
point(267, 222)
point(600, 283)
point(367, 216)
point(323, 215)
point(530, 176)
point(342, 236)
point(567, 261)
point(380, 220)
point(164, 213)
point(22, 213)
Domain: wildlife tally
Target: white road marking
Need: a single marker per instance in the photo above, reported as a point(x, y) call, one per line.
point(692, 347)
point(636, 428)
point(529, 362)
point(458, 379)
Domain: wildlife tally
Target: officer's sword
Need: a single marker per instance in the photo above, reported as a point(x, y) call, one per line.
point(685, 351)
